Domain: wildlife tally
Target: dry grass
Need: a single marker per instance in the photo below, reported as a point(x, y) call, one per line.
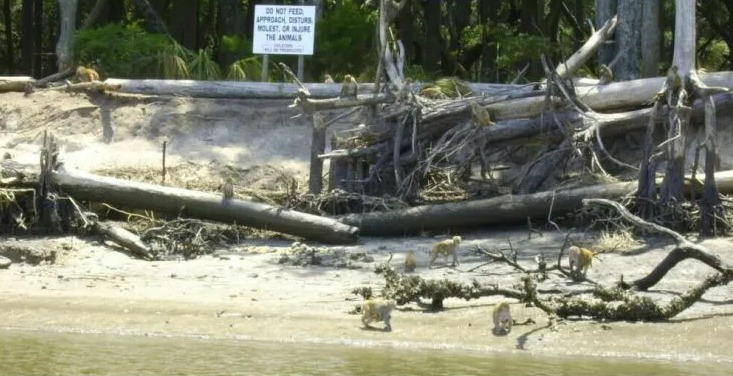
point(614, 242)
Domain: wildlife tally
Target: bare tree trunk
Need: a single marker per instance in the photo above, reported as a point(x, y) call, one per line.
point(684, 60)
point(605, 9)
point(650, 37)
point(628, 39)
point(64, 48)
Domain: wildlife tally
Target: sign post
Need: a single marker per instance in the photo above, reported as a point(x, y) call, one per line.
point(283, 30)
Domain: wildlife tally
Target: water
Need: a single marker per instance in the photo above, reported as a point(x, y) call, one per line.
point(42, 353)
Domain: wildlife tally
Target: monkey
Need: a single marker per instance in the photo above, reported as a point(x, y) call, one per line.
point(350, 87)
point(227, 190)
point(581, 258)
point(378, 309)
point(605, 75)
point(410, 262)
point(502, 316)
point(84, 74)
point(479, 114)
point(446, 248)
point(674, 81)
point(328, 78)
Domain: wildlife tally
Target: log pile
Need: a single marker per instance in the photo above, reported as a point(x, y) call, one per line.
point(444, 145)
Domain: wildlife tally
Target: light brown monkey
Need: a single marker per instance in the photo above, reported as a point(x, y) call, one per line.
point(503, 320)
point(410, 262)
point(84, 74)
point(227, 190)
point(350, 87)
point(378, 309)
point(605, 74)
point(580, 260)
point(479, 114)
point(327, 78)
point(446, 248)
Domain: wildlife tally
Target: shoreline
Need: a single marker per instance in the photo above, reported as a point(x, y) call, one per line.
point(245, 295)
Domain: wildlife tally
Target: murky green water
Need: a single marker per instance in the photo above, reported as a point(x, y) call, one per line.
point(41, 353)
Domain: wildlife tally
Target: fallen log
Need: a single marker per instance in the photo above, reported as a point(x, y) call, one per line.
point(636, 93)
point(85, 186)
point(8, 84)
point(507, 209)
point(500, 210)
point(239, 89)
point(125, 239)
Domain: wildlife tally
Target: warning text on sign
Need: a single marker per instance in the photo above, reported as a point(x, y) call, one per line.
point(284, 30)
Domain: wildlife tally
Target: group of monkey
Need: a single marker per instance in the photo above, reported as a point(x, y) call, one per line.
point(380, 309)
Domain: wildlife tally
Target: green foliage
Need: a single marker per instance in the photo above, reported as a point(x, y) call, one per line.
point(345, 41)
point(203, 67)
point(172, 62)
point(245, 69)
point(514, 47)
point(121, 50)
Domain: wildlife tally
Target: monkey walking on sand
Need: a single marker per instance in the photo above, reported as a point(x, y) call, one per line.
point(580, 260)
point(445, 248)
point(378, 309)
point(502, 317)
point(410, 262)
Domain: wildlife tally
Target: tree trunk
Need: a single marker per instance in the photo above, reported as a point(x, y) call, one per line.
point(405, 23)
point(90, 187)
point(153, 21)
point(651, 34)
point(684, 60)
point(488, 12)
point(185, 25)
point(460, 15)
point(9, 55)
point(64, 47)
point(27, 37)
point(579, 14)
point(531, 22)
point(38, 39)
point(433, 44)
point(605, 9)
point(230, 24)
point(95, 14)
point(628, 38)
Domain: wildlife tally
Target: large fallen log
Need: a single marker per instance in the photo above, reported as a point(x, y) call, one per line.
point(239, 89)
point(86, 186)
point(508, 209)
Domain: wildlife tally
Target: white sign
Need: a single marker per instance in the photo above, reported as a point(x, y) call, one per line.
point(284, 30)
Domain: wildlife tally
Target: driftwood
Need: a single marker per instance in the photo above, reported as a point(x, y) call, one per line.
point(684, 249)
point(8, 84)
point(497, 210)
point(587, 50)
point(123, 238)
point(85, 186)
point(508, 209)
point(87, 86)
point(243, 90)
